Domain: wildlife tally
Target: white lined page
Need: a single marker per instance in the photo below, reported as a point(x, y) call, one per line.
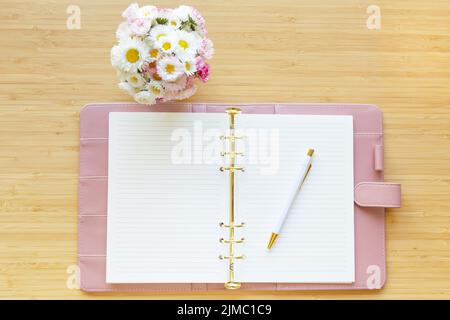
point(163, 215)
point(316, 244)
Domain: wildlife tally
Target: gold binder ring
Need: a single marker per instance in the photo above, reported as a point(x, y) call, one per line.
point(222, 240)
point(231, 137)
point(241, 257)
point(223, 225)
point(224, 153)
point(234, 169)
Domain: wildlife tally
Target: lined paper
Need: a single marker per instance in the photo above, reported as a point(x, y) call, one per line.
point(163, 213)
point(163, 216)
point(316, 243)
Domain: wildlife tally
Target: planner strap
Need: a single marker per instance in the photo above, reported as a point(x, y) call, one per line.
point(378, 194)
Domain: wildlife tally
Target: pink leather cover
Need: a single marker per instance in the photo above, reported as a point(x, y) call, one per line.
point(370, 268)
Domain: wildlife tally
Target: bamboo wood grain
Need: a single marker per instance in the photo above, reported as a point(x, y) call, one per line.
point(266, 51)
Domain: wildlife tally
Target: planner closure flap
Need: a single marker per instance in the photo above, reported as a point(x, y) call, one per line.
point(378, 194)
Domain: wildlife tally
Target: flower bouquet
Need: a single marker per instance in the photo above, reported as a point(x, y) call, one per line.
point(160, 53)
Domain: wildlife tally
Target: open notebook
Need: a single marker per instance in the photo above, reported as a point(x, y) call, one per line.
point(167, 196)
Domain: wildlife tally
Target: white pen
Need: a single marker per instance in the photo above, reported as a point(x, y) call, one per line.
point(302, 174)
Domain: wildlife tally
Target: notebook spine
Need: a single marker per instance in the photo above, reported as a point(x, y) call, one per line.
point(231, 226)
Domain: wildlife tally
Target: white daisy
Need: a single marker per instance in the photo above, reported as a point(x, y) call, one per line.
point(173, 20)
point(189, 66)
point(156, 89)
point(177, 85)
point(148, 41)
point(170, 68)
point(159, 31)
point(167, 44)
point(129, 55)
point(154, 54)
point(155, 77)
point(145, 97)
point(135, 80)
point(140, 26)
point(125, 86)
point(123, 31)
point(187, 43)
point(148, 12)
point(132, 12)
point(183, 12)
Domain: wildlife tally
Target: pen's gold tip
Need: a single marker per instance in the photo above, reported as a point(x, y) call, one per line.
point(273, 238)
point(310, 152)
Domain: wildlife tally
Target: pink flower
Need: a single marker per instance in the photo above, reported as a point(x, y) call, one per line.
point(138, 21)
point(182, 94)
point(190, 81)
point(131, 12)
point(179, 84)
point(207, 49)
point(200, 21)
point(140, 26)
point(202, 69)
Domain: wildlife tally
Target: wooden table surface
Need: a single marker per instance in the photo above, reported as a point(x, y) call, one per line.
point(266, 51)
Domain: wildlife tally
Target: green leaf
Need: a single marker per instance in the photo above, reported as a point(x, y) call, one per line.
point(160, 20)
point(184, 24)
point(192, 23)
point(189, 23)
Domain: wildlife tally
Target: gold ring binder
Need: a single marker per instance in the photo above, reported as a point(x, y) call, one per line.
point(240, 225)
point(232, 168)
point(231, 258)
point(222, 240)
point(224, 153)
point(231, 137)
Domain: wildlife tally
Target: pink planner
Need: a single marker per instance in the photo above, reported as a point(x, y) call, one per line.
point(371, 194)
